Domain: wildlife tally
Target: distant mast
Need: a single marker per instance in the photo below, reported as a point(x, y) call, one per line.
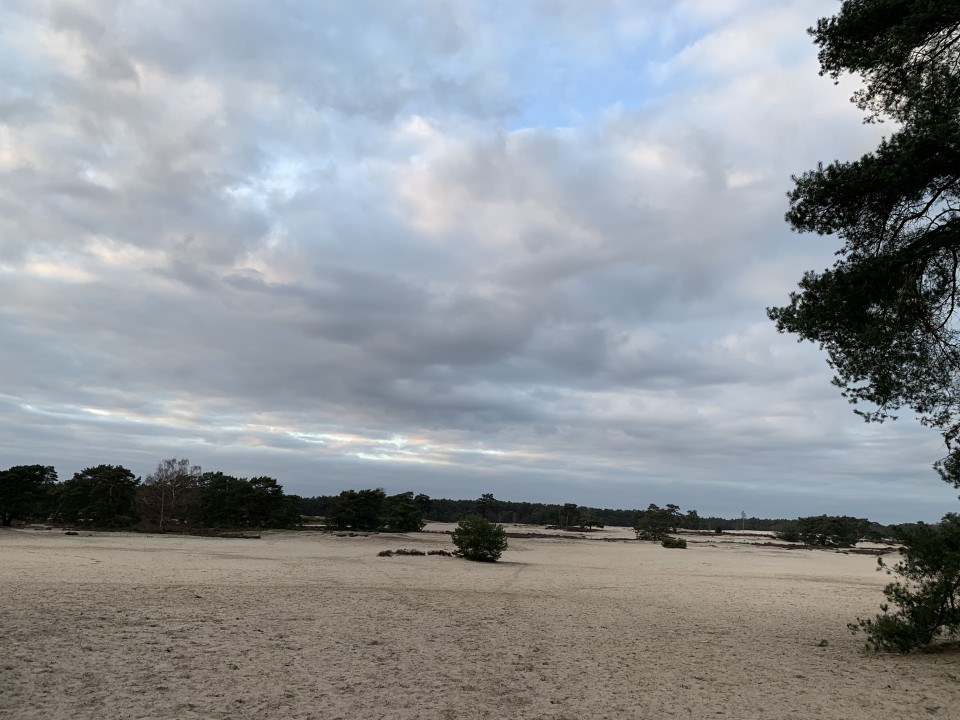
point(743, 520)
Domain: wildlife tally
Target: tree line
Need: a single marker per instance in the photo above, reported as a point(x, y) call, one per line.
point(176, 495)
point(493, 509)
point(557, 514)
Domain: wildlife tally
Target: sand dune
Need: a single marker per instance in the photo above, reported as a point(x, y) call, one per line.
point(309, 625)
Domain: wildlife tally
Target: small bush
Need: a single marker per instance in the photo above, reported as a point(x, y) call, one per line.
point(385, 553)
point(479, 539)
point(928, 603)
point(445, 553)
point(674, 542)
point(409, 551)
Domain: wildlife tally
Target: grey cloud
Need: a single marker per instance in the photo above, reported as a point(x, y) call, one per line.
point(237, 230)
point(329, 54)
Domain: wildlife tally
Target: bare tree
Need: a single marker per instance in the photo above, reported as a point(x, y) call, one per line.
point(167, 495)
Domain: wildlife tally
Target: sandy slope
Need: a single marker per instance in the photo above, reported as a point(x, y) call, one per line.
point(305, 625)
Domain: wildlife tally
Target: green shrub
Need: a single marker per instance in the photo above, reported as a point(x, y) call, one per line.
point(445, 553)
point(477, 538)
point(928, 604)
point(385, 553)
point(674, 542)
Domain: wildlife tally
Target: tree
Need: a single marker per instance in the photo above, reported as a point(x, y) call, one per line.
point(656, 522)
point(169, 495)
point(571, 514)
point(222, 500)
point(886, 312)
point(928, 604)
point(423, 502)
point(479, 539)
point(829, 530)
point(401, 513)
point(359, 510)
point(102, 496)
point(487, 505)
point(267, 505)
point(25, 492)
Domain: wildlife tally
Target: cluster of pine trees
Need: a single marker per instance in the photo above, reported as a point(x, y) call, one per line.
point(177, 495)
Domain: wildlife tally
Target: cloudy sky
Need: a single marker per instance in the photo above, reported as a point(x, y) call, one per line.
point(452, 246)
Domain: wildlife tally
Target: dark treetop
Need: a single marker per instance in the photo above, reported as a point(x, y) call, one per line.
point(886, 312)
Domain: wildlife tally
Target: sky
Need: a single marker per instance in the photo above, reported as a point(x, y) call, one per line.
point(448, 246)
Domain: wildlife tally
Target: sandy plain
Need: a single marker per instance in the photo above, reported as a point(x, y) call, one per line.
point(314, 626)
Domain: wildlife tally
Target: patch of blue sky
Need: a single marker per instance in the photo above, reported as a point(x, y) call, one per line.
point(566, 86)
point(571, 99)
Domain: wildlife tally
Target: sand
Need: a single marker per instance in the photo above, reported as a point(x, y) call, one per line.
point(309, 625)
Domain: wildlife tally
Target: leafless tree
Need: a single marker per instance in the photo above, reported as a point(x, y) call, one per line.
point(167, 494)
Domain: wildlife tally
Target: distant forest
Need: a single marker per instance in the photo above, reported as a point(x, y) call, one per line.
point(566, 514)
point(179, 496)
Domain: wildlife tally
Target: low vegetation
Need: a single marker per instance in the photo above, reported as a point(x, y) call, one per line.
point(479, 539)
point(923, 603)
point(413, 551)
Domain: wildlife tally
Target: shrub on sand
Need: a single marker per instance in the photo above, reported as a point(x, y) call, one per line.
point(928, 603)
point(479, 539)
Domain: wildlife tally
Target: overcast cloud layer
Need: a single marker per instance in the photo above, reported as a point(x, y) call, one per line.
point(449, 246)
